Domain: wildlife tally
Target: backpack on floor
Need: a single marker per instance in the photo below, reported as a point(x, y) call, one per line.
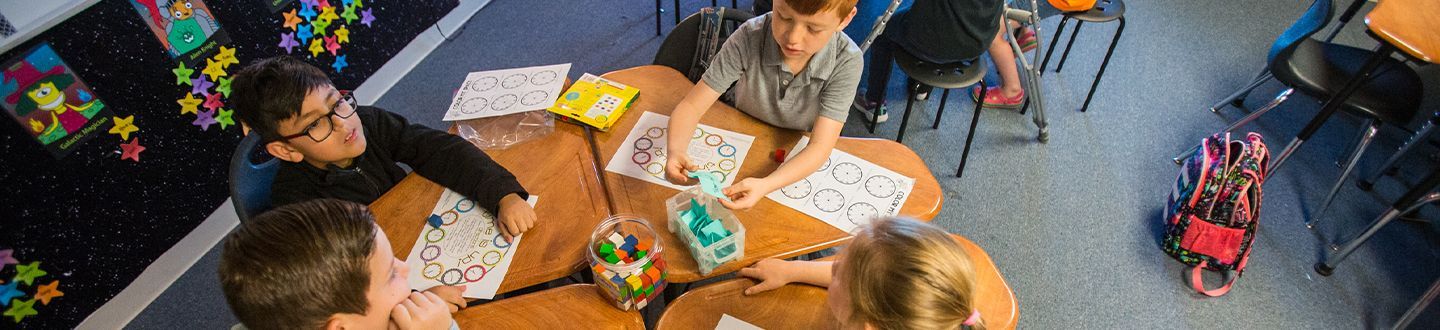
point(1214, 209)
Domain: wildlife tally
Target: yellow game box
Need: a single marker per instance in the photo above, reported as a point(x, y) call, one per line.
point(595, 101)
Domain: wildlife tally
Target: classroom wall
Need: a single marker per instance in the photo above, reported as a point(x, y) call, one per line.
point(95, 221)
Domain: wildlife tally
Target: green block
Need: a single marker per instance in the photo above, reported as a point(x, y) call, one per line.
point(640, 254)
point(607, 249)
point(610, 258)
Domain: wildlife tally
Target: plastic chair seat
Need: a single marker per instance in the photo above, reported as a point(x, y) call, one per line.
point(1104, 11)
point(946, 76)
point(1320, 69)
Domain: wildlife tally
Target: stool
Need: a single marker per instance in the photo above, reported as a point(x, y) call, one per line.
point(1104, 11)
point(658, 11)
point(922, 74)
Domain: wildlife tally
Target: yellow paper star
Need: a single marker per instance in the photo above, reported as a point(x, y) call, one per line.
point(189, 104)
point(328, 13)
point(342, 34)
point(292, 20)
point(46, 292)
point(213, 69)
point(315, 47)
point(124, 126)
point(226, 57)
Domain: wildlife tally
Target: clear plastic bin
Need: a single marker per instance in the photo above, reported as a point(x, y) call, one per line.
point(647, 271)
point(719, 252)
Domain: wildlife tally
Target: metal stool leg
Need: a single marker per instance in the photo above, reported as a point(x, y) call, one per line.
point(658, 11)
point(970, 137)
point(677, 12)
point(1238, 123)
point(1093, 85)
point(909, 102)
point(943, 97)
point(1066, 54)
point(1415, 198)
point(1417, 139)
point(1419, 305)
point(1371, 128)
point(1054, 41)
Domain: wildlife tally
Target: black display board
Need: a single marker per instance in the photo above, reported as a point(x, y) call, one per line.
point(95, 221)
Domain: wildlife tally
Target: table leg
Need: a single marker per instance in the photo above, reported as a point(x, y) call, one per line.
point(1333, 105)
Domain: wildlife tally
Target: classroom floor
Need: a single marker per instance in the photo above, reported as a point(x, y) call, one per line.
point(1073, 224)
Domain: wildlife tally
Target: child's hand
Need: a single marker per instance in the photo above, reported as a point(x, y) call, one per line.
point(516, 216)
point(677, 167)
point(452, 295)
point(423, 310)
point(744, 194)
point(772, 273)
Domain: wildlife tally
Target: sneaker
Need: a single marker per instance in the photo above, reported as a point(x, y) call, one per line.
point(870, 107)
point(1025, 37)
point(995, 99)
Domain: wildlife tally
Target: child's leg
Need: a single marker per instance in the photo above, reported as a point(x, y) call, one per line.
point(1004, 58)
point(881, 62)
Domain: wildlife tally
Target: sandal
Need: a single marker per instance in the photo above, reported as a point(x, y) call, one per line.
point(1025, 37)
point(994, 98)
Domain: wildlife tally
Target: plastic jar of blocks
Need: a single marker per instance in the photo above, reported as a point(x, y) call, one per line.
point(709, 230)
point(626, 257)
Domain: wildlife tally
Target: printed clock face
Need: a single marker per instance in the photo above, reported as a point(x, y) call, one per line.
point(797, 190)
point(513, 81)
point(880, 186)
point(504, 102)
point(484, 84)
point(534, 97)
point(859, 213)
point(829, 200)
point(847, 173)
point(544, 77)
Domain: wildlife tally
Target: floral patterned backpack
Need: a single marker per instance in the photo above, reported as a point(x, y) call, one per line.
point(1214, 209)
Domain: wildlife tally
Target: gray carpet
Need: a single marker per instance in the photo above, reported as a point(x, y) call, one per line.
point(1073, 224)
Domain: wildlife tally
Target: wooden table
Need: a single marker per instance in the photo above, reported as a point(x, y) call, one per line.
point(558, 168)
point(772, 230)
point(799, 306)
point(567, 307)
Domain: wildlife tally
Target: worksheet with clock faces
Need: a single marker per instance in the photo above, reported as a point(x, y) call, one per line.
point(846, 191)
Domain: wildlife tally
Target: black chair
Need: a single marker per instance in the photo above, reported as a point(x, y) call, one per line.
point(1419, 195)
point(925, 75)
point(1104, 11)
point(658, 11)
point(249, 181)
point(1420, 137)
point(679, 48)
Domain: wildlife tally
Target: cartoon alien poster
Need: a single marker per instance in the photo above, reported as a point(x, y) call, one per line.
point(187, 28)
point(50, 102)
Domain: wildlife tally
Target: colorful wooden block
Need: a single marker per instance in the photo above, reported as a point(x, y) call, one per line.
point(634, 282)
point(616, 238)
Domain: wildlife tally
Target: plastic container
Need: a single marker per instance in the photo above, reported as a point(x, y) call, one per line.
point(633, 283)
point(719, 252)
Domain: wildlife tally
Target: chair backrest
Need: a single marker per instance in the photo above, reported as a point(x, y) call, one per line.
point(1311, 22)
point(250, 182)
point(679, 48)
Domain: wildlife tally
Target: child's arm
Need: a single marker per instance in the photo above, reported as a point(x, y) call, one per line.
point(774, 273)
point(745, 193)
point(422, 310)
point(684, 119)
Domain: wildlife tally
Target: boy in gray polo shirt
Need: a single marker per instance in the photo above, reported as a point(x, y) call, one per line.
point(792, 68)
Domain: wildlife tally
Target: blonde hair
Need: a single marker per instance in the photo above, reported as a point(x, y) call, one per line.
point(906, 274)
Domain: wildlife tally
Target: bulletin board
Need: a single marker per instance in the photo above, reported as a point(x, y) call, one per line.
point(94, 221)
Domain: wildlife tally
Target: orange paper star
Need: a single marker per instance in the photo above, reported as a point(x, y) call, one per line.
point(292, 21)
point(49, 291)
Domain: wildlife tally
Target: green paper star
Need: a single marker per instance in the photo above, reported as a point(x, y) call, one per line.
point(224, 87)
point(182, 74)
point(28, 273)
point(20, 309)
point(349, 14)
point(224, 118)
point(318, 26)
point(356, 4)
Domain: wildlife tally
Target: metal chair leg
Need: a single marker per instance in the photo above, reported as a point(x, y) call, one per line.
point(1419, 305)
point(658, 11)
point(1285, 94)
point(1103, 63)
point(1260, 79)
point(1417, 139)
point(970, 137)
point(909, 102)
point(1328, 266)
point(943, 96)
point(1371, 128)
point(1066, 54)
point(677, 12)
point(713, 3)
point(1053, 41)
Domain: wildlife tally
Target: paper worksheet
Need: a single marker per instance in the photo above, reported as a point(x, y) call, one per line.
point(728, 322)
point(846, 191)
point(503, 92)
point(467, 249)
point(642, 156)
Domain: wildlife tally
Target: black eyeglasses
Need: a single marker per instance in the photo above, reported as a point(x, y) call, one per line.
point(321, 128)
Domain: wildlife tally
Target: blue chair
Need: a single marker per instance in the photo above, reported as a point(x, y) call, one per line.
point(250, 182)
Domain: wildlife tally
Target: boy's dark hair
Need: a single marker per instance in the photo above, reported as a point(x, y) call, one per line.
point(271, 90)
point(296, 265)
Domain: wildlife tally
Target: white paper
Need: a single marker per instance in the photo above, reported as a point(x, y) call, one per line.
point(466, 251)
point(715, 150)
point(846, 191)
point(728, 322)
point(503, 92)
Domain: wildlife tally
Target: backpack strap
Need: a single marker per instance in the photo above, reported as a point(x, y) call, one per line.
point(1199, 286)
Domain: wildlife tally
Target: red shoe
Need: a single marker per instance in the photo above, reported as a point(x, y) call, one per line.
point(994, 98)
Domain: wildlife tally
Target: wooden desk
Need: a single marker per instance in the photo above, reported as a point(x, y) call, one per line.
point(567, 307)
point(799, 306)
point(1409, 25)
point(772, 230)
point(558, 168)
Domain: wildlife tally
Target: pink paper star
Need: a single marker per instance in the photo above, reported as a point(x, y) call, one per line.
point(131, 150)
point(7, 257)
point(212, 102)
point(331, 45)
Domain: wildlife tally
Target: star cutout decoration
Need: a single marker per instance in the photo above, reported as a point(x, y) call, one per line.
point(49, 291)
point(224, 119)
point(21, 309)
point(213, 69)
point(316, 48)
point(346, 3)
point(323, 4)
point(349, 14)
point(213, 102)
point(123, 127)
point(226, 57)
point(342, 34)
point(8, 292)
point(312, 3)
point(182, 74)
point(331, 45)
point(131, 150)
point(308, 12)
point(224, 87)
point(189, 103)
point(318, 26)
point(7, 257)
point(356, 4)
point(304, 34)
point(204, 120)
point(366, 17)
point(200, 86)
point(287, 41)
point(28, 273)
point(328, 14)
point(291, 19)
point(339, 63)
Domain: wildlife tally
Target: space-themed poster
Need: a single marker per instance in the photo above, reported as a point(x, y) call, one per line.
point(50, 102)
point(187, 28)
